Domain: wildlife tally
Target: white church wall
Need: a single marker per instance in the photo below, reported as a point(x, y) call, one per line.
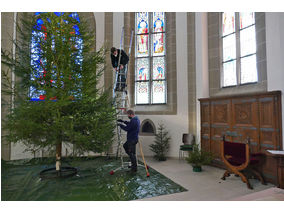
point(100, 29)
point(175, 124)
point(118, 23)
point(17, 152)
point(202, 74)
point(275, 55)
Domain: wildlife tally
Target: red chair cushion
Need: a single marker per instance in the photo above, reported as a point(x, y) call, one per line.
point(236, 161)
point(236, 150)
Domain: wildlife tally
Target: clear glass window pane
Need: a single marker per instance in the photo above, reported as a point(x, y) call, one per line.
point(158, 68)
point(158, 44)
point(229, 47)
point(229, 74)
point(248, 41)
point(246, 19)
point(248, 69)
point(142, 45)
point(142, 92)
point(158, 92)
point(158, 22)
point(228, 22)
point(142, 23)
point(142, 69)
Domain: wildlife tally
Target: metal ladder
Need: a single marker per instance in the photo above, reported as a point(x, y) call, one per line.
point(121, 102)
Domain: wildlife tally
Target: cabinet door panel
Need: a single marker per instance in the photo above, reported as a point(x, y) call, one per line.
point(268, 130)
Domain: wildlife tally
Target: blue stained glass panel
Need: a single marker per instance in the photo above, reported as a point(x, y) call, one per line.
point(142, 23)
point(75, 16)
point(37, 62)
point(158, 44)
point(142, 69)
point(158, 68)
point(158, 22)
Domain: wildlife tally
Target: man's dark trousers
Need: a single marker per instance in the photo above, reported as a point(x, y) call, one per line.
point(130, 149)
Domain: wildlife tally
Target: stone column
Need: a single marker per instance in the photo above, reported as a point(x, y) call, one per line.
point(7, 33)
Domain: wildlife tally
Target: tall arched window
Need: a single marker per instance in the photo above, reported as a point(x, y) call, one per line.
point(40, 77)
point(239, 49)
point(150, 51)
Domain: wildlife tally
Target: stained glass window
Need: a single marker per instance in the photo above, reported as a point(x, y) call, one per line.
point(142, 45)
point(239, 55)
point(142, 32)
point(142, 92)
point(142, 23)
point(246, 19)
point(158, 44)
point(158, 68)
point(142, 69)
point(228, 23)
point(158, 92)
point(150, 72)
point(158, 22)
point(39, 64)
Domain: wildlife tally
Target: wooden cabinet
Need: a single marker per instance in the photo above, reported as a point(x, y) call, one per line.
point(257, 116)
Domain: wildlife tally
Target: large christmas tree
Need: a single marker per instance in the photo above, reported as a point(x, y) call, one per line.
point(56, 92)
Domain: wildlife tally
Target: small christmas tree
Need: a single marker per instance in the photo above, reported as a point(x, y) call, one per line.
point(161, 144)
point(56, 92)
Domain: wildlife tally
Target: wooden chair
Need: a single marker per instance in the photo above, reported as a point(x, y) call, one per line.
point(237, 159)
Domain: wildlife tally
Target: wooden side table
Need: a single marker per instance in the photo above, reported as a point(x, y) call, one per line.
point(279, 154)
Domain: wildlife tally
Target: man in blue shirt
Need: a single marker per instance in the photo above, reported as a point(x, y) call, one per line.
point(132, 128)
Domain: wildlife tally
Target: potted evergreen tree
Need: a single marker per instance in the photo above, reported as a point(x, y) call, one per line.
point(198, 157)
point(56, 92)
point(161, 144)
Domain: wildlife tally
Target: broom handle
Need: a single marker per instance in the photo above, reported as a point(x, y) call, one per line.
point(143, 157)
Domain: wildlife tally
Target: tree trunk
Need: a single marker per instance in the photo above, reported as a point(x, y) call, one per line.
point(58, 156)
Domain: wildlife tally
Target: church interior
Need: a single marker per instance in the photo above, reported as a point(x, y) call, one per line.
point(212, 79)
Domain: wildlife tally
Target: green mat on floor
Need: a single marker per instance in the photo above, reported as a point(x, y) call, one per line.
point(21, 181)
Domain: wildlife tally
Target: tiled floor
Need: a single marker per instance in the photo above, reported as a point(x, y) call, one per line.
point(206, 185)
